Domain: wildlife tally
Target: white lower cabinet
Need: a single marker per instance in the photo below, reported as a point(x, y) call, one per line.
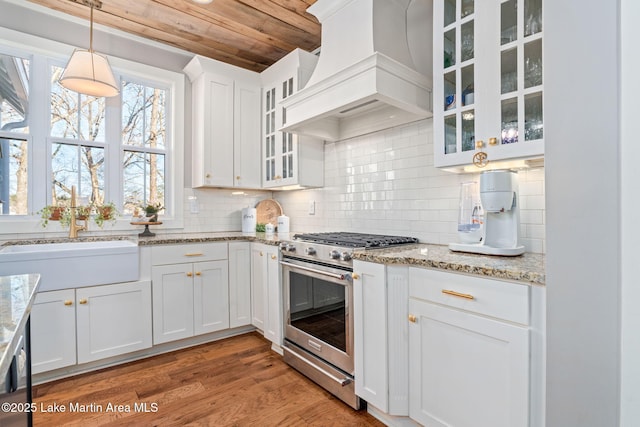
point(469, 350)
point(189, 298)
point(239, 284)
point(266, 292)
point(370, 334)
point(381, 345)
point(87, 324)
point(53, 330)
point(113, 320)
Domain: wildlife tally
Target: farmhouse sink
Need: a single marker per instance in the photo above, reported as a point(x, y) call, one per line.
point(73, 264)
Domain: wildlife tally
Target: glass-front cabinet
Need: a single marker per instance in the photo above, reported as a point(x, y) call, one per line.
point(488, 86)
point(288, 160)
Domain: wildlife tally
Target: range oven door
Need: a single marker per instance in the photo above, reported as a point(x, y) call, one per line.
point(318, 300)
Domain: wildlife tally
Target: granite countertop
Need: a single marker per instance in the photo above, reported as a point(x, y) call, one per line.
point(16, 299)
point(165, 239)
point(528, 267)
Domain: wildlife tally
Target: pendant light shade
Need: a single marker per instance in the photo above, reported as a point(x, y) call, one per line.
point(89, 72)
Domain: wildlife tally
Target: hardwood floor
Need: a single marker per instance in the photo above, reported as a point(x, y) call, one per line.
point(237, 381)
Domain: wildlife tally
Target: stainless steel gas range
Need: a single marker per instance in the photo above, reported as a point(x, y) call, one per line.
point(318, 303)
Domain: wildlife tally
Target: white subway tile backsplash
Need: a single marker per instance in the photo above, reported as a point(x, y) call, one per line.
point(386, 183)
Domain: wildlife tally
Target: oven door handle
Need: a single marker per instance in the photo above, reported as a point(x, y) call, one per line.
point(313, 270)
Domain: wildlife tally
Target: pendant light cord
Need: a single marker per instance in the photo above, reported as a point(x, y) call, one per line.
point(91, 28)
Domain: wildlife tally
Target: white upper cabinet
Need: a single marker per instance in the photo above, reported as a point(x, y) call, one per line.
point(288, 159)
point(226, 124)
point(488, 87)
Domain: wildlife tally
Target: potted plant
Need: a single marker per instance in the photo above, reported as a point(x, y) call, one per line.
point(151, 211)
point(51, 213)
point(83, 212)
point(105, 212)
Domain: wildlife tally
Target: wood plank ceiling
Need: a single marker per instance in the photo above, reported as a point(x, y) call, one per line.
point(251, 34)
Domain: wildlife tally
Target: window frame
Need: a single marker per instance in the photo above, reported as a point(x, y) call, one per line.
point(43, 54)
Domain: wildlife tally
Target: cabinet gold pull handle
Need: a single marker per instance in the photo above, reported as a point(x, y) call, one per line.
point(194, 254)
point(355, 276)
point(413, 318)
point(68, 302)
point(274, 257)
point(457, 294)
point(83, 301)
point(189, 274)
point(198, 273)
point(493, 141)
point(261, 253)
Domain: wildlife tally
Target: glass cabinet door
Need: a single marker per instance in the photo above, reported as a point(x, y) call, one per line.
point(288, 142)
point(521, 119)
point(457, 53)
point(279, 150)
point(487, 80)
point(269, 137)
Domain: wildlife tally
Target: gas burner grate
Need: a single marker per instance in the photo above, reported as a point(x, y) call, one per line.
point(355, 240)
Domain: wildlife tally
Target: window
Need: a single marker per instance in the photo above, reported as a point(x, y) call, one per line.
point(122, 149)
point(14, 131)
point(144, 137)
point(79, 141)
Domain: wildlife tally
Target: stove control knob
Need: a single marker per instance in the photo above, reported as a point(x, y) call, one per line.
point(291, 248)
point(310, 251)
point(283, 246)
point(345, 256)
point(334, 254)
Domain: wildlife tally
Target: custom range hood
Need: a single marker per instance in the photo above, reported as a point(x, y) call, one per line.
point(366, 78)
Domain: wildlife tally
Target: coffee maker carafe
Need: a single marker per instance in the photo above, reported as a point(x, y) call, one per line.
point(499, 198)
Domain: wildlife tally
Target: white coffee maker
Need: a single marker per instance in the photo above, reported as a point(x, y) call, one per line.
point(499, 197)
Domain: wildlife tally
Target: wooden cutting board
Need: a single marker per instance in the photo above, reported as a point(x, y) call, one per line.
point(268, 211)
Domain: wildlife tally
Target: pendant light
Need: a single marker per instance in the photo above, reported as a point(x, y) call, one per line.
point(89, 72)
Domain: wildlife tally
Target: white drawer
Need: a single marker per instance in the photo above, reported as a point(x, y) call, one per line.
point(191, 252)
point(494, 298)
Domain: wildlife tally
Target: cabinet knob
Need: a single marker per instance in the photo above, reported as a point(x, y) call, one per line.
point(413, 318)
point(261, 254)
point(198, 273)
point(355, 276)
point(68, 302)
point(189, 274)
point(479, 144)
point(238, 177)
point(493, 141)
point(277, 177)
point(208, 175)
point(82, 301)
point(274, 257)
